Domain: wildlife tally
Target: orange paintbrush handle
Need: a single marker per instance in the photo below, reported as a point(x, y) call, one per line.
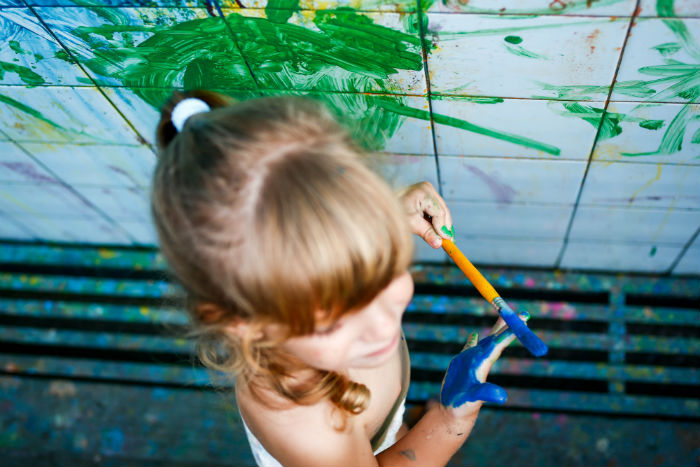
point(473, 274)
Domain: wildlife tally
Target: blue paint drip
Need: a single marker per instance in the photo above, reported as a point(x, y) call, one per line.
point(461, 384)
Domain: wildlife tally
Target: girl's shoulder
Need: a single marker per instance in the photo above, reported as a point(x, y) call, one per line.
point(308, 435)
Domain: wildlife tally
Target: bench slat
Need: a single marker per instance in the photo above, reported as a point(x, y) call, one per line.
point(542, 399)
point(81, 256)
point(537, 308)
point(97, 340)
point(566, 369)
point(99, 369)
point(96, 311)
point(87, 285)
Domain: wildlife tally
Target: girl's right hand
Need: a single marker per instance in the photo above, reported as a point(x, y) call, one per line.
point(428, 214)
point(464, 387)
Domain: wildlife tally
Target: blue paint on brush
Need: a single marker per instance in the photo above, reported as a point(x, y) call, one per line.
point(528, 338)
point(461, 383)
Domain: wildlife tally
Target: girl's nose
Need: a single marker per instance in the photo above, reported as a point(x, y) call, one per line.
point(383, 324)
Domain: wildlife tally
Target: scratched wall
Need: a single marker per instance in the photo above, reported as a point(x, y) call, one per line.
point(562, 133)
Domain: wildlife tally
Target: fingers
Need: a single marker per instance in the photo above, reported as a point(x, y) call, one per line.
point(500, 324)
point(425, 230)
point(428, 214)
point(472, 341)
point(433, 205)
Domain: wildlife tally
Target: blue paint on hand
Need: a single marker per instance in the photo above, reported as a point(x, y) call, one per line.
point(461, 383)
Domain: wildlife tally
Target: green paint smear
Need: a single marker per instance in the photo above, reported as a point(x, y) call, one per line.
point(14, 45)
point(279, 11)
point(27, 76)
point(696, 137)
point(669, 48)
point(653, 251)
point(651, 124)
point(28, 110)
point(465, 125)
point(672, 141)
point(523, 52)
point(507, 30)
point(607, 123)
point(686, 39)
point(477, 100)
point(349, 54)
point(513, 39)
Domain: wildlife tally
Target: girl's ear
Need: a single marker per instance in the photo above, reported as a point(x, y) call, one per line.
point(245, 330)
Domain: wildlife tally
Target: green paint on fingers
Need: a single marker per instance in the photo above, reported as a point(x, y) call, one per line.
point(513, 39)
point(449, 232)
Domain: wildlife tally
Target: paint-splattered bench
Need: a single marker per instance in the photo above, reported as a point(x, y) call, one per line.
point(93, 370)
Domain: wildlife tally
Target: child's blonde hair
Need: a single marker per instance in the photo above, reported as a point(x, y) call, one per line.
point(267, 215)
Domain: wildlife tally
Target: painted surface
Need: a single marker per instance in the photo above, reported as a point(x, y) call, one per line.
point(576, 122)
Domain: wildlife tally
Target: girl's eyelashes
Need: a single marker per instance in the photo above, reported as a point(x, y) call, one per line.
point(328, 329)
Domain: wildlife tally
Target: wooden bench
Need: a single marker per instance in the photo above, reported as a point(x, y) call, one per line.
point(95, 366)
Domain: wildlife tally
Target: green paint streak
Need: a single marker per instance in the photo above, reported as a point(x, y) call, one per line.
point(513, 39)
point(665, 8)
point(696, 137)
point(27, 76)
point(477, 100)
point(653, 251)
point(651, 124)
point(668, 48)
point(672, 141)
point(506, 31)
point(575, 92)
point(28, 110)
point(523, 52)
point(607, 123)
point(465, 125)
point(570, 6)
point(686, 39)
point(412, 23)
point(63, 55)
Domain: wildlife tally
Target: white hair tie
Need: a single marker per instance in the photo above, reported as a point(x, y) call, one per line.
point(185, 109)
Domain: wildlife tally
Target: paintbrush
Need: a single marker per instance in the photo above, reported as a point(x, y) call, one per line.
point(528, 338)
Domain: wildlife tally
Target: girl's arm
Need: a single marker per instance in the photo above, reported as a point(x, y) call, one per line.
point(446, 426)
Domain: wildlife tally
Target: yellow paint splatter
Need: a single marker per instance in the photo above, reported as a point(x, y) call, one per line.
point(656, 178)
point(106, 254)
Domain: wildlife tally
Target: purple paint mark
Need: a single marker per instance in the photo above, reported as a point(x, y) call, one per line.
point(29, 171)
point(123, 172)
point(502, 192)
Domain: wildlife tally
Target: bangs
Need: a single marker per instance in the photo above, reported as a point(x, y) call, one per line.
point(328, 235)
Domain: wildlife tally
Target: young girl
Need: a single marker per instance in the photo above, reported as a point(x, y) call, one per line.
point(294, 257)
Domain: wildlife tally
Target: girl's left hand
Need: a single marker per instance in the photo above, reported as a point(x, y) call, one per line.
point(464, 386)
point(420, 201)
